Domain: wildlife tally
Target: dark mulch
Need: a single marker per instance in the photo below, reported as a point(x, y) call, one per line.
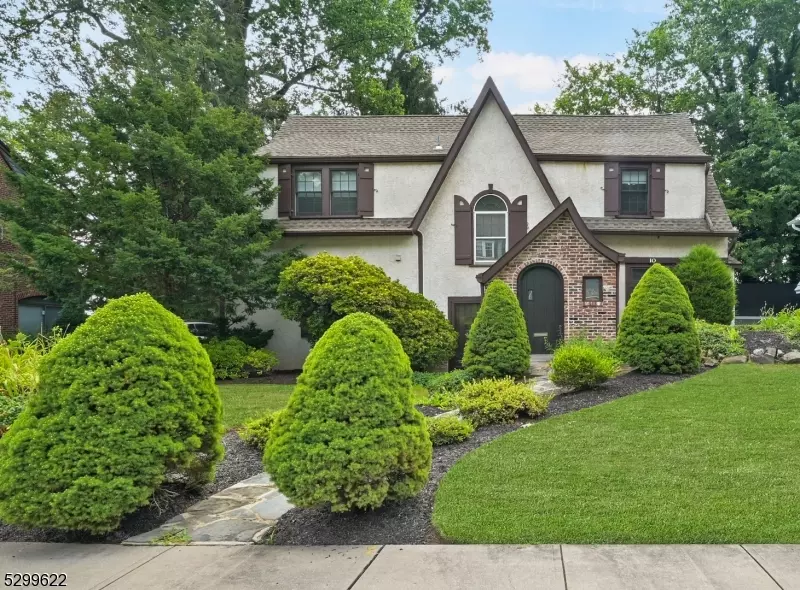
point(764, 339)
point(240, 462)
point(276, 378)
point(409, 522)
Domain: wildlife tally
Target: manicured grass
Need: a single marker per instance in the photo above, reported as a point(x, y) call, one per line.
point(241, 402)
point(713, 459)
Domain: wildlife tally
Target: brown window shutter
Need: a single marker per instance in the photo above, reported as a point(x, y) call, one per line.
point(611, 188)
point(657, 190)
point(285, 194)
point(463, 231)
point(518, 220)
point(366, 190)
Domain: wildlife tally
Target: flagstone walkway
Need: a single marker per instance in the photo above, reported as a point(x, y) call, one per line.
point(242, 514)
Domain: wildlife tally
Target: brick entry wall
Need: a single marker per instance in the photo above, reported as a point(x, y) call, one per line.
point(562, 246)
point(8, 299)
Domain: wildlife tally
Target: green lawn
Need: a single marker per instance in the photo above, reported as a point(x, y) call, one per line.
point(713, 459)
point(240, 402)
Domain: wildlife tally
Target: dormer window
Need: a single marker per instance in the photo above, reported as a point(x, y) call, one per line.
point(323, 190)
point(491, 229)
point(309, 193)
point(634, 192)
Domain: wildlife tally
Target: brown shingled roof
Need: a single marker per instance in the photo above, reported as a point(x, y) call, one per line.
point(351, 226)
point(415, 136)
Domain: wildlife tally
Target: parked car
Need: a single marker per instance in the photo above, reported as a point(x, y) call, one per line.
point(203, 330)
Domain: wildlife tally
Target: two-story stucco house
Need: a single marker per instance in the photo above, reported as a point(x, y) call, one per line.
point(568, 210)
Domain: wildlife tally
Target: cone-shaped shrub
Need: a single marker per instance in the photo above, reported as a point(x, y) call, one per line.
point(127, 398)
point(350, 437)
point(709, 283)
point(498, 344)
point(657, 333)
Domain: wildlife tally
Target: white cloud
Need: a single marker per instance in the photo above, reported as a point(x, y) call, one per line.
point(527, 72)
point(635, 6)
point(443, 73)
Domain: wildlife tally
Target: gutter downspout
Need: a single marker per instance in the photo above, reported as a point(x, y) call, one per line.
point(420, 260)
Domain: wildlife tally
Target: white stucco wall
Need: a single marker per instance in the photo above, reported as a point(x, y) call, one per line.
point(685, 186)
point(400, 187)
point(490, 155)
point(582, 181)
point(661, 246)
point(382, 251)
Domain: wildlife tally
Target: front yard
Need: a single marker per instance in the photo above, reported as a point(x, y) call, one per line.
point(242, 402)
point(712, 459)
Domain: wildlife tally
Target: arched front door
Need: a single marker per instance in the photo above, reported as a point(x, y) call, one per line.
point(541, 295)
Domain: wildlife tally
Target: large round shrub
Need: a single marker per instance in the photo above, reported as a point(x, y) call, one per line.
point(127, 398)
point(350, 438)
point(318, 290)
point(709, 283)
point(498, 344)
point(657, 333)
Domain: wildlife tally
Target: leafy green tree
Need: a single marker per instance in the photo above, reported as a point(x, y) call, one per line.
point(709, 283)
point(350, 437)
point(126, 399)
point(269, 56)
point(657, 333)
point(498, 343)
point(735, 66)
point(145, 187)
point(321, 289)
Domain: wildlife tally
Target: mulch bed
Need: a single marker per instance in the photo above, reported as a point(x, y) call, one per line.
point(409, 522)
point(274, 378)
point(241, 461)
point(765, 339)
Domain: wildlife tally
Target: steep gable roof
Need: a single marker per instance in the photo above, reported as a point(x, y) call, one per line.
point(489, 90)
point(567, 207)
point(550, 137)
point(5, 156)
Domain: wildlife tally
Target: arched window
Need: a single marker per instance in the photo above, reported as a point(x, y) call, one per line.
point(491, 229)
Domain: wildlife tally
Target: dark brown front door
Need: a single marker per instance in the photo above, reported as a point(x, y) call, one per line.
point(541, 295)
point(462, 311)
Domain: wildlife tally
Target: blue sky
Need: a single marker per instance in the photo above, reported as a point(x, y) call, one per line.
point(531, 38)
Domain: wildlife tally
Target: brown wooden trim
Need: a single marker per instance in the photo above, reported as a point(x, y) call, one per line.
point(622, 157)
point(583, 288)
point(325, 170)
point(488, 89)
point(673, 260)
point(440, 157)
point(567, 206)
point(490, 191)
point(452, 301)
point(346, 159)
point(653, 232)
point(339, 232)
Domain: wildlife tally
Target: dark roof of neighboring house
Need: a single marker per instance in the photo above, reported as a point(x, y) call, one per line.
point(5, 155)
point(549, 137)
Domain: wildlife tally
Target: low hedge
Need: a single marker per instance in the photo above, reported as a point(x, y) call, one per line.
point(448, 430)
point(233, 359)
point(580, 364)
point(718, 340)
point(256, 431)
point(491, 401)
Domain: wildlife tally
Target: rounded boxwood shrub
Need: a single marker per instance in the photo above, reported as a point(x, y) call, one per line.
point(718, 341)
point(127, 398)
point(318, 290)
point(232, 358)
point(256, 431)
point(657, 333)
point(350, 437)
point(448, 430)
point(498, 344)
point(490, 401)
point(580, 364)
point(709, 283)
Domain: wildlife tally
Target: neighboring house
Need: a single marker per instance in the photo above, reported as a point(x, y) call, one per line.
point(22, 309)
point(568, 210)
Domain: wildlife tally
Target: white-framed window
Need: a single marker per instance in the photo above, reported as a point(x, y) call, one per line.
point(491, 229)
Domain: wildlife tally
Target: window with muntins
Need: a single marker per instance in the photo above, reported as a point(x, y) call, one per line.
point(634, 192)
point(344, 192)
point(309, 192)
point(491, 229)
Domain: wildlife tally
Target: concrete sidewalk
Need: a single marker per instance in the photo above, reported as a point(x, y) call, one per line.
point(432, 567)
